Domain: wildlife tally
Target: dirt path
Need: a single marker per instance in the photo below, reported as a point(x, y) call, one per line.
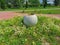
point(51, 15)
point(9, 14)
point(6, 15)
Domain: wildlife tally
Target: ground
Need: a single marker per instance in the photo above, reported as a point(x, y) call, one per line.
point(14, 32)
point(11, 14)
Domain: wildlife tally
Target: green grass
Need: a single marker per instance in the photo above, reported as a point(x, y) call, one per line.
point(38, 10)
point(13, 32)
point(43, 11)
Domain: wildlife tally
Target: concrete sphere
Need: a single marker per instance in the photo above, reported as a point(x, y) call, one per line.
point(30, 20)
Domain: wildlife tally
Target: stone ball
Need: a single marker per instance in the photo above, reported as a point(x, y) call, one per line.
point(30, 20)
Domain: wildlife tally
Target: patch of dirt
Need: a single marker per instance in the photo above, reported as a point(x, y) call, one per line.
point(58, 40)
point(50, 15)
point(9, 14)
point(44, 42)
point(6, 15)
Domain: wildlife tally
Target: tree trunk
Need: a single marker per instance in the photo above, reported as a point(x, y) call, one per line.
point(44, 3)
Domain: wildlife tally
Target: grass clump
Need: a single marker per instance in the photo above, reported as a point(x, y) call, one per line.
point(14, 32)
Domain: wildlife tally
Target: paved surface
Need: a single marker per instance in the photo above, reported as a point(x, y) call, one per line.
point(8, 14)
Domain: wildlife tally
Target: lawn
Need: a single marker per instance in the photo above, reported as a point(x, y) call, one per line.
point(38, 10)
point(14, 32)
point(46, 11)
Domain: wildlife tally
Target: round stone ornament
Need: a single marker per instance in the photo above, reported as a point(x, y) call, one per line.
point(30, 20)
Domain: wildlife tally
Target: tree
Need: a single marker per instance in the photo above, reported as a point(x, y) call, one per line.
point(18, 3)
point(44, 3)
point(34, 2)
point(15, 3)
point(2, 4)
point(57, 2)
point(26, 4)
point(21, 3)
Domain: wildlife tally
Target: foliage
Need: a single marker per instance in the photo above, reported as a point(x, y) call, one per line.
point(2, 4)
point(56, 2)
point(14, 32)
point(21, 3)
point(16, 3)
point(34, 3)
point(44, 3)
